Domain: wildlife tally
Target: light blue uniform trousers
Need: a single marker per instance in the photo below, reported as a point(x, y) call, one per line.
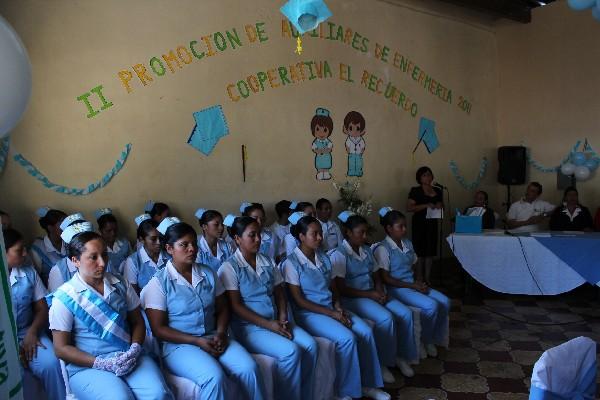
point(394, 329)
point(145, 382)
point(434, 311)
point(357, 363)
point(46, 367)
point(210, 374)
point(296, 358)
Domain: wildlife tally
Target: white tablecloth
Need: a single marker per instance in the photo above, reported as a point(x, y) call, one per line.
point(503, 264)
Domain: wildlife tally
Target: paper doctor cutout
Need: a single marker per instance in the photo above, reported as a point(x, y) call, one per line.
point(354, 127)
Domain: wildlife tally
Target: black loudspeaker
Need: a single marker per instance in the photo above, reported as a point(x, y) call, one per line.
point(512, 162)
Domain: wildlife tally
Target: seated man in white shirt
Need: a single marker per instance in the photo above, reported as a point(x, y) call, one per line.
point(529, 213)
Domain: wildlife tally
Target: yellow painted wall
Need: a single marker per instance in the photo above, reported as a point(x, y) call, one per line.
point(548, 91)
point(77, 45)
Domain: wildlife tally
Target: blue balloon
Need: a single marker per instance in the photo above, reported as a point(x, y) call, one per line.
point(592, 164)
point(581, 4)
point(596, 12)
point(578, 158)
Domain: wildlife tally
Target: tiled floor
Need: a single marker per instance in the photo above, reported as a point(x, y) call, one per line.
point(491, 353)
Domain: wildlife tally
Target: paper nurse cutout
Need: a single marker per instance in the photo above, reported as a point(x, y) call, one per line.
point(321, 127)
point(354, 127)
point(211, 126)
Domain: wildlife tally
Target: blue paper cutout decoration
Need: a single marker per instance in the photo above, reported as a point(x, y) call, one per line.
point(33, 171)
point(428, 135)
point(305, 15)
point(211, 126)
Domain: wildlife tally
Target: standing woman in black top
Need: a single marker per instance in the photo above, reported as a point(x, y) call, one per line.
point(424, 231)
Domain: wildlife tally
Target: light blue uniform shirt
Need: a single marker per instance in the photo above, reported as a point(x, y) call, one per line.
point(140, 268)
point(26, 288)
point(190, 307)
point(206, 257)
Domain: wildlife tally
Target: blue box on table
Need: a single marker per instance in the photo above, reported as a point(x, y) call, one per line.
point(468, 224)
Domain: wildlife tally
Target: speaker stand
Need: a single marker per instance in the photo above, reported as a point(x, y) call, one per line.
point(508, 198)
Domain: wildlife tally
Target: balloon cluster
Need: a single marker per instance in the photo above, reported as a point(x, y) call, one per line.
point(580, 5)
point(15, 78)
point(580, 165)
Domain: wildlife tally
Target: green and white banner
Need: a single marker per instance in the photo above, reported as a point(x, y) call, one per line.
point(10, 370)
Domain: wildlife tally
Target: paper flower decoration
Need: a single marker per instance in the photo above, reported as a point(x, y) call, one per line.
point(305, 15)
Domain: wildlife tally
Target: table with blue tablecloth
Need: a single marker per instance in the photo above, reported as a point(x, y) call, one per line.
point(534, 264)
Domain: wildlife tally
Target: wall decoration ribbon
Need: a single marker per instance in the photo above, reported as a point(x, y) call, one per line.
point(543, 168)
point(4, 145)
point(33, 171)
point(460, 179)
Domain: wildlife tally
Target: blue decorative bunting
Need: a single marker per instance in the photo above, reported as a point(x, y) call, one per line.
point(33, 171)
point(469, 185)
point(542, 168)
point(4, 145)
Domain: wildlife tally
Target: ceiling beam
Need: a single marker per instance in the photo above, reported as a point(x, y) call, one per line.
point(512, 9)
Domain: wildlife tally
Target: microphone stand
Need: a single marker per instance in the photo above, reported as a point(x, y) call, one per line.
point(441, 238)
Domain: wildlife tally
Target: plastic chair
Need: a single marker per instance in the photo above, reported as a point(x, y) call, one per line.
point(184, 389)
point(566, 372)
point(32, 387)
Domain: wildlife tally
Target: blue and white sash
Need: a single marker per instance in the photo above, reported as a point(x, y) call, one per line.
point(99, 317)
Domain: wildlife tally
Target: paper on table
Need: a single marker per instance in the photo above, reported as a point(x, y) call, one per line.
point(494, 232)
point(476, 211)
point(540, 234)
point(435, 213)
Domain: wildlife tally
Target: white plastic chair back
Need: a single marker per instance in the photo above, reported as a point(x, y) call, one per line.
point(567, 371)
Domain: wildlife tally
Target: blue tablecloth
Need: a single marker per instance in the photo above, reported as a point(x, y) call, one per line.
point(579, 251)
point(525, 264)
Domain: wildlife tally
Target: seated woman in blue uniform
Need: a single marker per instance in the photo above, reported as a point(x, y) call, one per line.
point(47, 251)
point(118, 248)
point(269, 244)
point(359, 282)
point(64, 269)
point(141, 266)
point(395, 256)
point(317, 309)
point(289, 241)
point(5, 220)
point(332, 235)
point(255, 290)
point(98, 328)
point(189, 314)
point(212, 248)
point(157, 211)
point(27, 295)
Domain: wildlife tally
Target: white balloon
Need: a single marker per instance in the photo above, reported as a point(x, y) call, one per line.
point(15, 78)
point(568, 169)
point(582, 173)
